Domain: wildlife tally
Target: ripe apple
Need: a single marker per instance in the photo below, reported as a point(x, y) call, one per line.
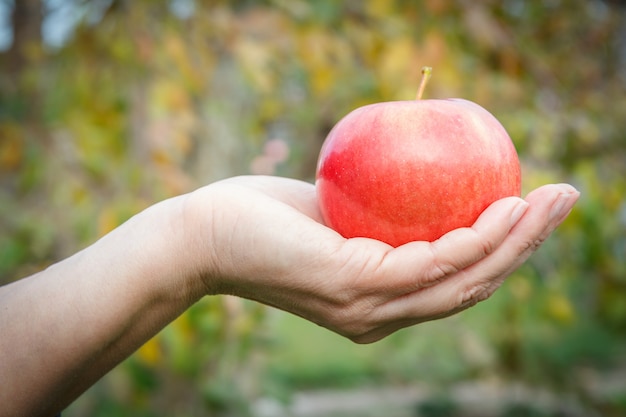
point(402, 171)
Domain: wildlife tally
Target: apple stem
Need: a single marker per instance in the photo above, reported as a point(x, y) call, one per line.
point(426, 73)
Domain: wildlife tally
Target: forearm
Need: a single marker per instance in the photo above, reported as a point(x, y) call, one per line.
point(65, 327)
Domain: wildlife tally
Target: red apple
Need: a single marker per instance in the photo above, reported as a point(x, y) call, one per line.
point(414, 170)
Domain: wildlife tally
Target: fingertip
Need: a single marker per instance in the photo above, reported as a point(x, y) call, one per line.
point(512, 208)
point(569, 188)
point(562, 206)
point(557, 199)
point(545, 191)
point(518, 211)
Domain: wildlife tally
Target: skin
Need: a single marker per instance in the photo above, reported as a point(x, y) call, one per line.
point(261, 238)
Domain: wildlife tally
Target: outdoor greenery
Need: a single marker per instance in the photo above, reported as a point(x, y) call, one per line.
point(147, 99)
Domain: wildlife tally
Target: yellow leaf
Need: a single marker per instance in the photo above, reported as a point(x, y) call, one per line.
point(395, 65)
point(107, 221)
point(560, 308)
point(520, 287)
point(325, 56)
point(193, 74)
point(255, 58)
point(150, 352)
point(169, 96)
point(379, 8)
point(365, 41)
point(11, 147)
point(183, 327)
point(322, 80)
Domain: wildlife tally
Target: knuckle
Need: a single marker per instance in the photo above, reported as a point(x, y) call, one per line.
point(438, 270)
point(537, 243)
point(532, 246)
point(476, 294)
point(488, 246)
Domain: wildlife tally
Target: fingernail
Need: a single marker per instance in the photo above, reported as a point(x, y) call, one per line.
point(518, 212)
point(563, 205)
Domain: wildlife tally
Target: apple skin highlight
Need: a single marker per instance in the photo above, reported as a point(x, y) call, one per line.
point(414, 170)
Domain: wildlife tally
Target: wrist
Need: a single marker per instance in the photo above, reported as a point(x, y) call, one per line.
point(194, 220)
point(178, 239)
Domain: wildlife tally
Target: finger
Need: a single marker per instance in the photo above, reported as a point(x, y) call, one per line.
point(419, 265)
point(463, 247)
point(548, 207)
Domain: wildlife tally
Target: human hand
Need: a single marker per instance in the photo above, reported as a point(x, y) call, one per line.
point(265, 240)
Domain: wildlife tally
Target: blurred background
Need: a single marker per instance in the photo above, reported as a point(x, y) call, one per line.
point(107, 106)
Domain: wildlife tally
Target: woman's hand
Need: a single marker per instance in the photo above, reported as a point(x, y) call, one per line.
point(256, 237)
point(265, 240)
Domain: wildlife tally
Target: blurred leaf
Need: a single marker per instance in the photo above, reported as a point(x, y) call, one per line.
point(560, 309)
point(150, 352)
point(141, 104)
point(11, 146)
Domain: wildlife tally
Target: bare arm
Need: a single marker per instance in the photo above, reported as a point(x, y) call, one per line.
point(65, 327)
point(256, 237)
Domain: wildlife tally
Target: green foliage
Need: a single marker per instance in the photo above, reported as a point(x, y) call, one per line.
point(438, 407)
point(525, 410)
point(141, 104)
